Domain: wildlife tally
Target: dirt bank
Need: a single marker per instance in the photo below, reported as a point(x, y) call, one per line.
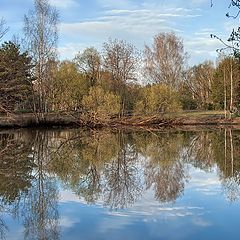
point(75, 120)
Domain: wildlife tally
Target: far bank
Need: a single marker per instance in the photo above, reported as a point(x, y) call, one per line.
point(25, 120)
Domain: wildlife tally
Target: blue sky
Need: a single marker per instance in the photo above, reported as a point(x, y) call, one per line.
point(87, 23)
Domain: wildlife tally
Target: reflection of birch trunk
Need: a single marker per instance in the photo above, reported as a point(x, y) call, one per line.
point(40, 212)
point(225, 149)
point(232, 156)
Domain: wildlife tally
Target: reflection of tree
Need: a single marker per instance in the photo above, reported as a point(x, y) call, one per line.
point(40, 211)
point(229, 166)
point(165, 170)
point(114, 167)
point(199, 151)
point(123, 182)
point(15, 173)
point(210, 148)
point(232, 188)
point(86, 156)
point(3, 227)
point(15, 167)
point(168, 181)
point(99, 163)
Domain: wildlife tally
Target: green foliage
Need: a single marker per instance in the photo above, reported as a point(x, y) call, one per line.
point(69, 87)
point(15, 77)
point(100, 103)
point(89, 63)
point(186, 98)
point(159, 98)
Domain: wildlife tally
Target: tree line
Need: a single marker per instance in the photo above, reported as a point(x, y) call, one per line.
point(116, 81)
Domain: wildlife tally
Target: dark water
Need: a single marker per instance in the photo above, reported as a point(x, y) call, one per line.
point(75, 184)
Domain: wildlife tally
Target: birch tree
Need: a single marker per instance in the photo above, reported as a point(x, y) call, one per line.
point(41, 34)
point(165, 60)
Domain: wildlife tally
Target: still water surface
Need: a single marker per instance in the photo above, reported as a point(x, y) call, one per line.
point(75, 184)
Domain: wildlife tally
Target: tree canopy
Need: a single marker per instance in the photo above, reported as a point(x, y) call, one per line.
point(15, 77)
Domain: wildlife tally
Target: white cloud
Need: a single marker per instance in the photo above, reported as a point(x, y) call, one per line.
point(201, 47)
point(200, 2)
point(69, 50)
point(115, 3)
point(137, 26)
point(140, 24)
point(63, 3)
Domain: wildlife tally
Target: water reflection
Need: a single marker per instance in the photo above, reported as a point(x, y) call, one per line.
point(113, 168)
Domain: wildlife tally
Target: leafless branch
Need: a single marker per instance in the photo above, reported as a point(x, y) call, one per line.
point(3, 28)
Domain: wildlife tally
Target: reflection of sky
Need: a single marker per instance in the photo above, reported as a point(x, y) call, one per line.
point(201, 213)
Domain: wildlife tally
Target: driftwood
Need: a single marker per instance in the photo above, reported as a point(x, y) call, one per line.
point(155, 121)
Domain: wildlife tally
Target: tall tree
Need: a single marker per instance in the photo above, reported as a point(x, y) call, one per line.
point(15, 77)
point(41, 34)
point(165, 60)
point(225, 87)
point(199, 82)
point(120, 61)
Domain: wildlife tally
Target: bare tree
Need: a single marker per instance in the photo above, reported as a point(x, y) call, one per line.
point(165, 60)
point(120, 61)
point(3, 28)
point(41, 34)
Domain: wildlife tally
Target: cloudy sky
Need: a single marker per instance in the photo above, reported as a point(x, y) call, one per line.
point(91, 22)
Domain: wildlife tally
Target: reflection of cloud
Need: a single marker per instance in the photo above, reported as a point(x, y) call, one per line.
point(206, 183)
point(108, 223)
point(149, 212)
point(201, 222)
point(14, 232)
point(67, 196)
point(68, 222)
point(165, 212)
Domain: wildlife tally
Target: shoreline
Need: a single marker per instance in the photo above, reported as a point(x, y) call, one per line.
point(29, 120)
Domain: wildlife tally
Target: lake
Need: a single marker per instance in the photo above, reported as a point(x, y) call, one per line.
point(79, 184)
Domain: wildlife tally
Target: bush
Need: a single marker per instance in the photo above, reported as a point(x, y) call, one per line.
point(159, 98)
point(101, 104)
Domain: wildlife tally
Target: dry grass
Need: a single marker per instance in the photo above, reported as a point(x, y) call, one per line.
point(197, 114)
